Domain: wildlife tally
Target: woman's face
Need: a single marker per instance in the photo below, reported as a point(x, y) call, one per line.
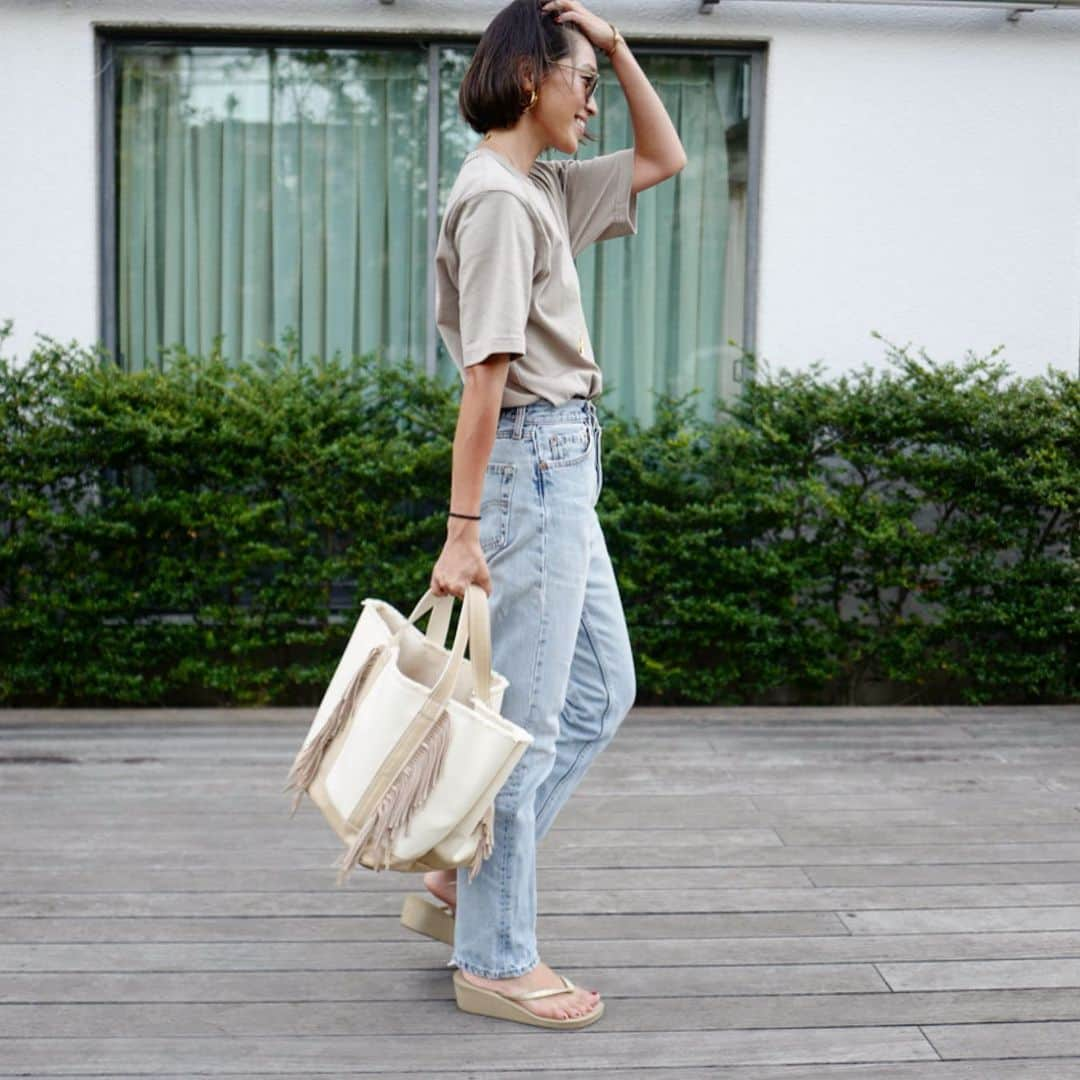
point(562, 105)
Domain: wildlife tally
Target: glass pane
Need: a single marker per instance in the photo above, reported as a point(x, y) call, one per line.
point(661, 305)
point(259, 191)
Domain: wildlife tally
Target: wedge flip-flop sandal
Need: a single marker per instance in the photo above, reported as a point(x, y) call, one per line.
point(425, 917)
point(476, 999)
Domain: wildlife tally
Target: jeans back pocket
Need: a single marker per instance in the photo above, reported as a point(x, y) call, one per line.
point(495, 507)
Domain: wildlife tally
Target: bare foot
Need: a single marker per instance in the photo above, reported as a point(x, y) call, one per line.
point(557, 1007)
point(442, 884)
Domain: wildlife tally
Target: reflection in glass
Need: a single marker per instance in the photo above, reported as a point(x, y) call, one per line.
point(261, 190)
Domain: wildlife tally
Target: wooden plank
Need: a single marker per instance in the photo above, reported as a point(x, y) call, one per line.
point(996, 861)
point(145, 765)
point(197, 974)
point(945, 800)
point(645, 940)
point(1027, 1068)
point(308, 957)
point(797, 728)
point(1005, 1040)
point(363, 982)
point(960, 920)
point(314, 835)
point(184, 726)
point(944, 874)
point(589, 810)
point(769, 764)
point(336, 900)
point(499, 1049)
point(606, 777)
point(983, 974)
point(558, 926)
point(758, 716)
point(868, 741)
point(101, 877)
point(307, 841)
point(152, 1018)
point(943, 834)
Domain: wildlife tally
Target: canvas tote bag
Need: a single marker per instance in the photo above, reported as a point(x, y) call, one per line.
point(407, 750)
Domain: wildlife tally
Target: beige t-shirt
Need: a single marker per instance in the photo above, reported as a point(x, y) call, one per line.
point(505, 279)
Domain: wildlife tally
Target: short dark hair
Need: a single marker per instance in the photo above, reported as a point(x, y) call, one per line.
point(521, 41)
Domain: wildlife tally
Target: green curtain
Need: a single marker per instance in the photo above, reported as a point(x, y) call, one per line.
point(662, 305)
point(265, 190)
point(655, 302)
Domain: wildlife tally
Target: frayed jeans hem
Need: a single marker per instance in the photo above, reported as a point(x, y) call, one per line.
point(491, 973)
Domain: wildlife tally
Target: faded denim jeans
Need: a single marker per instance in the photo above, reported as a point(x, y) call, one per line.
point(559, 636)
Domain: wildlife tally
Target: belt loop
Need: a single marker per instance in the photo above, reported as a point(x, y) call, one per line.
point(519, 421)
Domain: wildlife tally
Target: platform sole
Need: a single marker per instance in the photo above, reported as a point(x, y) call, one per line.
point(426, 917)
point(475, 999)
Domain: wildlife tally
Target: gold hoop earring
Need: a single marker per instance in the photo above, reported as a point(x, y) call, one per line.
point(532, 101)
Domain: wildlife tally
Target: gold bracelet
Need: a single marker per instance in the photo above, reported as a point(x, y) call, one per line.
point(616, 37)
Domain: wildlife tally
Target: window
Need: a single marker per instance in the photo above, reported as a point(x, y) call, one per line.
point(265, 189)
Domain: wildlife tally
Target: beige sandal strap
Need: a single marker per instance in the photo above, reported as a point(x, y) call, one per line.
point(531, 995)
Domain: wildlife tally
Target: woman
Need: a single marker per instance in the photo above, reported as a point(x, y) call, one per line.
point(526, 461)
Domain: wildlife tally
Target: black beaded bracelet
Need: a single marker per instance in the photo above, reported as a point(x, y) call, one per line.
point(468, 517)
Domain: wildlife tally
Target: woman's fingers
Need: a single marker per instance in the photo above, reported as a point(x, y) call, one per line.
point(573, 11)
point(484, 581)
point(456, 569)
point(457, 586)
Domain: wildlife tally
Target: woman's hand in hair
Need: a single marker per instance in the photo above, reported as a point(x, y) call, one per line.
point(597, 30)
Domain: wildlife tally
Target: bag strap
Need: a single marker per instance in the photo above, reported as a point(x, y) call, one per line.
point(439, 623)
point(480, 642)
point(476, 618)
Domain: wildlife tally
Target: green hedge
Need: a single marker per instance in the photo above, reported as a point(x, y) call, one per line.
point(175, 537)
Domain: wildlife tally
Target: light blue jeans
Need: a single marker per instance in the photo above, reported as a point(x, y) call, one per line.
point(559, 635)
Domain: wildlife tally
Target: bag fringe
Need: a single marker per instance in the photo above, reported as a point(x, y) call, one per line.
point(406, 795)
point(306, 766)
point(487, 841)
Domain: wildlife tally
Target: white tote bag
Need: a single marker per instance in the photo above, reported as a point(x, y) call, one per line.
point(407, 750)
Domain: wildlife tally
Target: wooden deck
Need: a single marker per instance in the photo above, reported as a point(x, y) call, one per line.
point(759, 893)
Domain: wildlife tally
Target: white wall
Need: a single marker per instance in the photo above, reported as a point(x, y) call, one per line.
point(920, 172)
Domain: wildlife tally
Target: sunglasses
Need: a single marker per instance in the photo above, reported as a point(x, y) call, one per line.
point(591, 78)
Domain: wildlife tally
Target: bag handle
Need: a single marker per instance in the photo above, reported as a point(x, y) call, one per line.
point(474, 628)
point(439, 623)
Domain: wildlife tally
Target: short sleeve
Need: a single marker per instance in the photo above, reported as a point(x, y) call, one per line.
point(600, 204)
point(497, 255)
